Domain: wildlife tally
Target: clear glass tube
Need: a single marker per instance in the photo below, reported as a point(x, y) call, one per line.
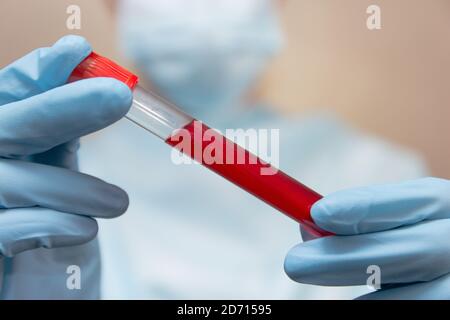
point(155, 114)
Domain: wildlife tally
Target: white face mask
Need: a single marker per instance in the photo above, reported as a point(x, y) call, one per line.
point(201, 54)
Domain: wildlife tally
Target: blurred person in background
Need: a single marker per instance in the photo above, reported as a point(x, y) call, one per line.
point(189, 233)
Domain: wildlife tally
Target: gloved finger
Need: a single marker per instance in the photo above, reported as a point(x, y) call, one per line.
point(437, 289)
point(63, 156)
point(42, 69)
point(42, 122)
point(383, 207)
point(25, 184)
point(32, 228)
point(414, 253)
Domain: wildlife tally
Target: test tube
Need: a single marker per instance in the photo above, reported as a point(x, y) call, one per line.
point(168, 122)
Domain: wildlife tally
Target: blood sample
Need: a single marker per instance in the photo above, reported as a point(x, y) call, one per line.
point(171, 124)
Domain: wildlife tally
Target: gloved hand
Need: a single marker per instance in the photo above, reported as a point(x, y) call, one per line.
point(44, 202)
point(401, 228)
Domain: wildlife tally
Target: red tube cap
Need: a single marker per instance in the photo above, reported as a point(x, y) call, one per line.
point(95, 66)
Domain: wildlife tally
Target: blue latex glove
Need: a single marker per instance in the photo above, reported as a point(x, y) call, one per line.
point(44, 202)
point(402, 228)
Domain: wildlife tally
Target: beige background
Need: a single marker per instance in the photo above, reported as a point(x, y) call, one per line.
point(392, 82)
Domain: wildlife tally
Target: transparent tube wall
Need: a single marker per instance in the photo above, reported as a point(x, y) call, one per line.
point(155, 114)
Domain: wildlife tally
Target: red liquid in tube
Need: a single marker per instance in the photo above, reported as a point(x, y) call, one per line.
point(278, 190)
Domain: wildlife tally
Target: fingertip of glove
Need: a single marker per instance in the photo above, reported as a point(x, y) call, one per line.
point(74, 45)
point(118, 202)
point(122, 96)
point(115, 97)
point(322, 216)
point(340, 213)
point(103, 200)
point(308, 263)
point(77, 230)
point(90, 229)
point(46, 68)
point(291, 266)
point(288, 267)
